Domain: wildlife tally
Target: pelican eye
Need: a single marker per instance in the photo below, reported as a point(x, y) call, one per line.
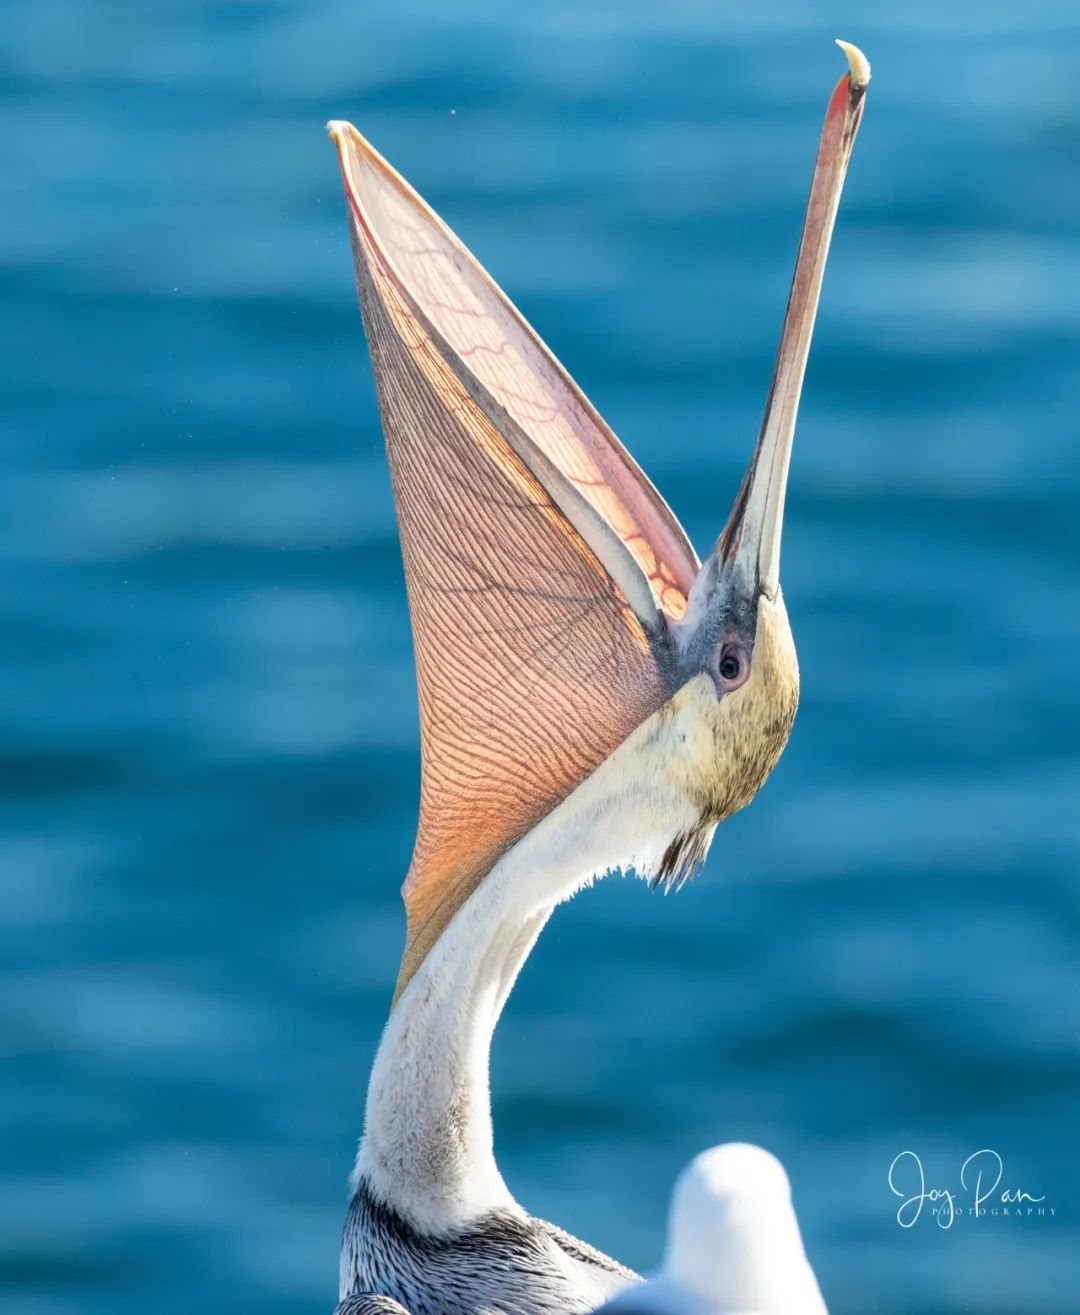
point(734, 665)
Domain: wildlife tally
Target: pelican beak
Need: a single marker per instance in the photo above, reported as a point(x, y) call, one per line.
point(748, 551)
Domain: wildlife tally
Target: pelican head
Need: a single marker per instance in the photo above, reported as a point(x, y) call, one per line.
point(558, 607)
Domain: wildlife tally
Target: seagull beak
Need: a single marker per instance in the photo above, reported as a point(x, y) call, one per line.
point(749, 548)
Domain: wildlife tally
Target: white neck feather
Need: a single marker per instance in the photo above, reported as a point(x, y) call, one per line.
point(427, 1148)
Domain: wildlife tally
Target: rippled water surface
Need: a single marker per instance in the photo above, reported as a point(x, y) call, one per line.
point(209, 748)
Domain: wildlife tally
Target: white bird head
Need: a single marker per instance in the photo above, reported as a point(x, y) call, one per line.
point(733, 1239)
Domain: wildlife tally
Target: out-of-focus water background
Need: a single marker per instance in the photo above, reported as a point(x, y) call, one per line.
point(209, 740)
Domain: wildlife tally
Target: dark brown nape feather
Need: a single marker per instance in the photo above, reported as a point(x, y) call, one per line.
point(683, 857)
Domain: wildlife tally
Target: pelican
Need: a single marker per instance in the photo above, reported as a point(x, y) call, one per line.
point(591, 696)
point(734, 1246)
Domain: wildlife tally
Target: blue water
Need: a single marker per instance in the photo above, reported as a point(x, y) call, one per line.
point(209, 751)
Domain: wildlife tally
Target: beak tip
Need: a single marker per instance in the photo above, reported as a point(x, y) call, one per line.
point(342, 133)
point(858, 65)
